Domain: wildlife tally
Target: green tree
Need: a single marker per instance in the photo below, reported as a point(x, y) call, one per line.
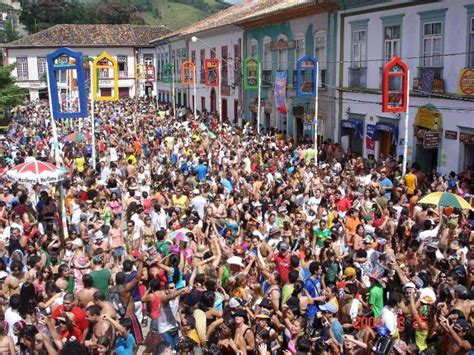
point(9, 32)
point(115, 12)
point(10, 94)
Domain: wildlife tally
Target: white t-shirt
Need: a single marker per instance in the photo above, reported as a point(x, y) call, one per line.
point(11, 317)
point(389, 319)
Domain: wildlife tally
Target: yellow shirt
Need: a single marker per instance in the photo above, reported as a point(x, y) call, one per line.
point(410, 182)
point(80, 162)
point(179, 202)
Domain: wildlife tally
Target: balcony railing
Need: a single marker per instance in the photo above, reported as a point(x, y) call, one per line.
point(429, 80)
point(357, 77)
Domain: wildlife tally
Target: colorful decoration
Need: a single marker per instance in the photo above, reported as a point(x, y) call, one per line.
point(140, 71)
point(395, 100)
point(280, 91)
point(251, 73)
point(211, 67)
point(104, 63)
point(167, 73)
point(306, 76)
point(187, 73)
point(65, 59)
point(149, 73)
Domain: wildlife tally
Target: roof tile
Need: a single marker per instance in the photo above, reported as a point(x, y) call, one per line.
point(69, 35)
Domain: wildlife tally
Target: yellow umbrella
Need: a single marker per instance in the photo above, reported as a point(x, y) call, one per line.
point(445, 199)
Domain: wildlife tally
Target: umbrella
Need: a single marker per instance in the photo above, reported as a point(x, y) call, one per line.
point(445, 199)
point(180, 234)
point(76, 137)
point(35, 171)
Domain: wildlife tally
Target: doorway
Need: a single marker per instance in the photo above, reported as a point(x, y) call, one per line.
point(386, 146)
point(149, 89)
point(468, 155)
point(203, 103)
point(236, 110)
point(224, 109)
point(213, 100)
point(426, 158)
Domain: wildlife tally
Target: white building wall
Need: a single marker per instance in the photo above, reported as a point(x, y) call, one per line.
point(457, 115)
point(34, 83)
point(215, 39)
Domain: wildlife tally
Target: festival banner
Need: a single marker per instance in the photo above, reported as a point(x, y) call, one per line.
point(167, 73)
point(149, 73)
point(187, 73)
point(395, 99)
point(105, 63)
point(369, 139)
point(211, 67)
point(306, 76)
point(67, 61)
point(251, 74)
point(280, 91)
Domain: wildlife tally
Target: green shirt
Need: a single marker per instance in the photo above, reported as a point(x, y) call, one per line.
point(376, 300)
point(286, 293)
point(321, 236)
point(100, 280)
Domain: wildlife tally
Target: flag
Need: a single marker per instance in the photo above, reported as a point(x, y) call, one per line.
point(280, 91)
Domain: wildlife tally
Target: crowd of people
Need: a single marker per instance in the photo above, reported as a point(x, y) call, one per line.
point(193, 236)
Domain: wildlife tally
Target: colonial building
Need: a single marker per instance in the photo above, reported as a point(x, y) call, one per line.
point(276, 32)
point(436, 40)
point(278, 36)
point(128, 44)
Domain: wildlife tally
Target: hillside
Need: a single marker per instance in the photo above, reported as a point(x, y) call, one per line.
point(174, 14)
point(177, 15)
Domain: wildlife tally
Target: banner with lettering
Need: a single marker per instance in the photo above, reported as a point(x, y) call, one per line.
point(280, 91)
point(369, 139)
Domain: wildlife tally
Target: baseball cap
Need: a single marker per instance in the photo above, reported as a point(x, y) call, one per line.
point(349, 272)
point(328, 307)
point(283, 246)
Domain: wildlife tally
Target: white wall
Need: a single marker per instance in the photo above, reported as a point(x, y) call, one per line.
point(34, 83)
point(455, 40)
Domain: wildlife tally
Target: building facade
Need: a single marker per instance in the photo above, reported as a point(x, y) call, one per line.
point(436, 40)
point(130, 48)
point(278, 42)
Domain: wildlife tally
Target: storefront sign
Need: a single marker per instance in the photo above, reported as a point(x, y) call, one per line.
point(466, 82)
point(369, 139)
point(428, 118)
point(282, 45)
point(451, 135)
point(466, 138)
point(431, 140)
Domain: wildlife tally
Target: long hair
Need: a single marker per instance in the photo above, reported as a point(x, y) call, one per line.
point(27, 299)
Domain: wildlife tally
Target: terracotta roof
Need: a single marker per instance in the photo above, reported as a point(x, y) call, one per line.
point(238, 14)
point(92, 36)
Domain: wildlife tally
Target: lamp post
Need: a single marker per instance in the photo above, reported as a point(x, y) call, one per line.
point(195, 39)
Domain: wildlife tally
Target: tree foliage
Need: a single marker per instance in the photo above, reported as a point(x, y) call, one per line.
point(42, 14)
point(10, 94)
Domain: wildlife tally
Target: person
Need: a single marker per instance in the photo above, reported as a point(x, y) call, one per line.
point(70, 312)
point(279, 255)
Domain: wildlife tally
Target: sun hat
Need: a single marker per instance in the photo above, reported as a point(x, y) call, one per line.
point(427, 296)
point(235, 260)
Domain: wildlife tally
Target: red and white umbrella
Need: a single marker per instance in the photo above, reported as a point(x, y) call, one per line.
point(35, 172)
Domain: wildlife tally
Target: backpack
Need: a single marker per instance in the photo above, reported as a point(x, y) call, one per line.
point(117, 302)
